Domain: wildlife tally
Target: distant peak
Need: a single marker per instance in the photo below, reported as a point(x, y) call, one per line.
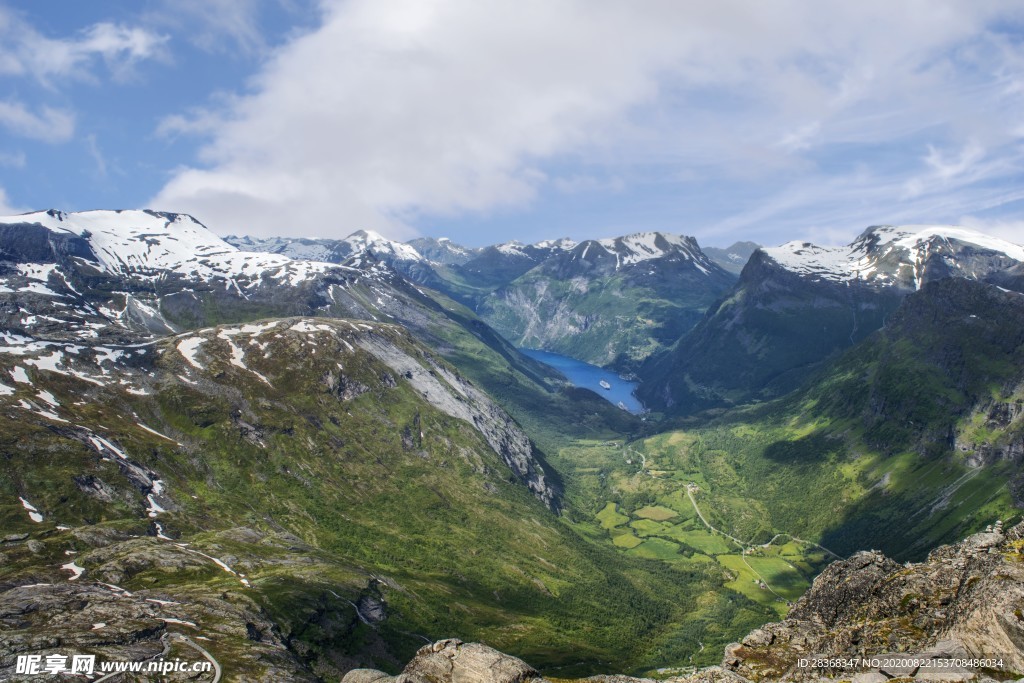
point(369, 235)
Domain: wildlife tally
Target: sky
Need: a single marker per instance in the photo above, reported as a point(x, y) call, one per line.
point(519, 119)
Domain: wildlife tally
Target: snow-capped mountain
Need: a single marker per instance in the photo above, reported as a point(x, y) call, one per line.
point(117, 274)
point(86, 296)
point(610, 300)
point(904, 256)
point(370, 242)
point(332, 251)
point(630, 250)
point(148, 245)
point(798, 303)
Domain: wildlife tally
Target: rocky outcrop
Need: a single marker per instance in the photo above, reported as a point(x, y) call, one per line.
point(118, 625)
point(964, 601)
point(452, 661)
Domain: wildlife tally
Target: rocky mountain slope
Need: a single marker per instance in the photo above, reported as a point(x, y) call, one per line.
point(797, 304)
point(962, 603)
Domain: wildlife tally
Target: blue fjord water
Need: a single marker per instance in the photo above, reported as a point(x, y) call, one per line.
point(587, 376)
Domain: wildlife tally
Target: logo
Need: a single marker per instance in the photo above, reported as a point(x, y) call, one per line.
point(55, 664)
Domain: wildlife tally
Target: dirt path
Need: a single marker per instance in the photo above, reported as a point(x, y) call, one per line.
point(744, 546)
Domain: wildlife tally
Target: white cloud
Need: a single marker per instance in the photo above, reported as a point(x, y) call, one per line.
point(1008, 229)
point(224, 26)
point(93, 148)
point(392, 110)
point(49, 124)
point(6, 208)
point(24, 51)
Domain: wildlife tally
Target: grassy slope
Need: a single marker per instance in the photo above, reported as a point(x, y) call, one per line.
point(862, 456)
point(465, 551)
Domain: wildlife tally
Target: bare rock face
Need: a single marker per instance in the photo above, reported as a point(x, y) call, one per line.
point(452, 661)
point(449, 392)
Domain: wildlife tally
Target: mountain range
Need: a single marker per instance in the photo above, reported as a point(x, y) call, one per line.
point(318, 454)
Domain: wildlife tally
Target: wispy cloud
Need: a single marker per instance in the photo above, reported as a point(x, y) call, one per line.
point(6, 208)
point(48, 124)
point(218, 26)
point(97, 155)
point(12, 159)
point(24, 51)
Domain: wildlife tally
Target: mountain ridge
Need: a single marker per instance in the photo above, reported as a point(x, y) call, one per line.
point(796, 305)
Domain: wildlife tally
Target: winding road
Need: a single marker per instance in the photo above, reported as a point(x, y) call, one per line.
point(166, 639)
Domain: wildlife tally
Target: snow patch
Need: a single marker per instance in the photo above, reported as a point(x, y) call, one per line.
point(48, 397)
point(188, 348)
point(74, 569)
point(33, 513)
point(153, 431)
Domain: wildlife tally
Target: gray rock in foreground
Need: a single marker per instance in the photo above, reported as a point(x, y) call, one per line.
point(452, 661)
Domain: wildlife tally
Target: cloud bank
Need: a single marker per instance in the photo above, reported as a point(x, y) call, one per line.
point(395, 113)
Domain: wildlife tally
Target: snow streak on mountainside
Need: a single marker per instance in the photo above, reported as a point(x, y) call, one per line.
point(888, 255)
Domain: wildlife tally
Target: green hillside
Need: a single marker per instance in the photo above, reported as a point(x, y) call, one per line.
point(307, 475)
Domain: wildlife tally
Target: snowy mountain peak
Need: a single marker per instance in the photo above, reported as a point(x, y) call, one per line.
point(886, 255)
point(916, 236)
point(363, 241)
point(151, 244)
point(560, 244)
point(644, 246)
point(511, 248)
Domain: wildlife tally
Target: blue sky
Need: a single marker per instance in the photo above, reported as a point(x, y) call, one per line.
point(524, 119)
